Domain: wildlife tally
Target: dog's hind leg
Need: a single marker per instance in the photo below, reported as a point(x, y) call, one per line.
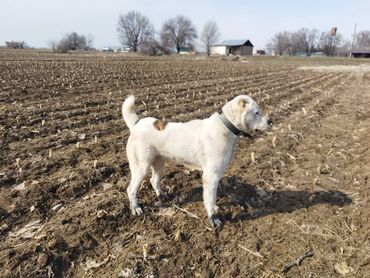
point(210, 184)
point(139, 166)
point(137, 176)
point(156, 168)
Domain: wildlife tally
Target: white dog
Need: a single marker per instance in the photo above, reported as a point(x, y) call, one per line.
point(206, 145)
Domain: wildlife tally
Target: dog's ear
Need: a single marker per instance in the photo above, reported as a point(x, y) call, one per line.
point(243, 103)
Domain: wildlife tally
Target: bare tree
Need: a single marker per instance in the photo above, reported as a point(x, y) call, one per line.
point(281, 43)
point(328, 43)
point(307, 40)
point(311, 41)
point(178, 32)
point(304, 40)
point(210, 35)
point(154, 47)
point(89, 42)
point(363, 40)
point(270, 47)
point(72, 41)
point(134, 29)
point(344, 48)
point(297, 41)
point(53, 44)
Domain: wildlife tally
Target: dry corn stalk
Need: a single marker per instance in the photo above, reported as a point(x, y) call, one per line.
point(178, 235)
point(145, 251)
point(253, 158)
point(291, 157)
point(274, 142)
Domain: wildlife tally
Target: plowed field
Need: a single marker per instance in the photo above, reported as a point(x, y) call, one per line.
point(63, 170)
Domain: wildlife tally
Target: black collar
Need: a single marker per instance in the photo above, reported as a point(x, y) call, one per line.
point(232, 128)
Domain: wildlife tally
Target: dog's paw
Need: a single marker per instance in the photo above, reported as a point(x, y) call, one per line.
point(216, 223)
point(137, 210)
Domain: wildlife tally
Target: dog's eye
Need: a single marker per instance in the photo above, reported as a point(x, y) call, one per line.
point(257, 113)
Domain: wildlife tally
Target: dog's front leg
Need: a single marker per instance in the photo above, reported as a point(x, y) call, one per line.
point(210, 183)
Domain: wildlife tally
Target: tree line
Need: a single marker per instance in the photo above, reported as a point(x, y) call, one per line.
point(306, 41)
point(137, 34)
point(72, 41)
point(16, 44)
point(363, 40)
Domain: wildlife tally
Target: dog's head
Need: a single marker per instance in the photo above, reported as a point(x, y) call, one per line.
point(245, 114)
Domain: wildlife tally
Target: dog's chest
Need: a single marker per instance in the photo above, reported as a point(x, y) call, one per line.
point(228, 153)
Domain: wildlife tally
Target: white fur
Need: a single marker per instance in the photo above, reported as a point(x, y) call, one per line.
point(206, 145)
point(128, 112)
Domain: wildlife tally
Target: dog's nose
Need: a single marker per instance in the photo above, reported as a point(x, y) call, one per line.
point(269, 122)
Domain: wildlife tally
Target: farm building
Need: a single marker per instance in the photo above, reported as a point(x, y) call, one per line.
point(186, 49)
point(360, 54)
point(107, 49)
point(233, 47)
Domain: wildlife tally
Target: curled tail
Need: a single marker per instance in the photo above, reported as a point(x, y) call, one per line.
point(129, 112)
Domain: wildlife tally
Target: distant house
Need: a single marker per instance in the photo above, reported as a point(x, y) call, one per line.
point(318, 54)
point(107, 49)
point(233, 47)
point(187, 49)
point(124, 49)
point(300, 53)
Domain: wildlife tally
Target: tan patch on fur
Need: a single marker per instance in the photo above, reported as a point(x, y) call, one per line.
point(160, 125)
point(243, 102)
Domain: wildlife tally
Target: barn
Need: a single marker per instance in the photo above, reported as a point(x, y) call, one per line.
point(360, 54)
point(233, 47)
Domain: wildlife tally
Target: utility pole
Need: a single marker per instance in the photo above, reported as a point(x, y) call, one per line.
point(333, 42)
point(353, 41)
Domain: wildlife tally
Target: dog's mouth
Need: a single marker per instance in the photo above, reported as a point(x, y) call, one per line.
point(262, 129)
point(255, 132)
point(258, 132)
point(268, 127)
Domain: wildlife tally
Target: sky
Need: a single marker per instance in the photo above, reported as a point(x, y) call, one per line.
point(37, 22)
